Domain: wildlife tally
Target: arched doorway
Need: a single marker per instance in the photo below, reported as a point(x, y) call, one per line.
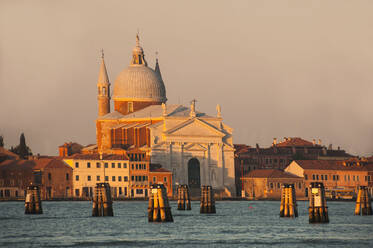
point(194, 173)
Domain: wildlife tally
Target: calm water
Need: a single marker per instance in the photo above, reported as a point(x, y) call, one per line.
point(69, 224)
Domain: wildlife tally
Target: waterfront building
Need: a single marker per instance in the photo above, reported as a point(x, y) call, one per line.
point(159, 175)
point(52, 174)
point(197, 148)
point(267, 184)
point(90, 169)
point(280, 154)
point(338, 176)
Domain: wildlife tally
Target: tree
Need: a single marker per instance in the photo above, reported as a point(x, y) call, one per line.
point(1, 141)
point(22, 149)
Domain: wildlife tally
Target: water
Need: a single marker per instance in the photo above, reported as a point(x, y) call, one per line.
point(69, 224)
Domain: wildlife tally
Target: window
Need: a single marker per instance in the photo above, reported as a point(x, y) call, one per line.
point(305, 177)
point(77, 193)
point(106, 178)
point(88, 165)
point(326, 177)
point(313, 177)
point(317, 177)
point(345, 178)
point(120, 190)
point(353, 178)
point(334, 178)
point(106, 165)
point(67, 176)
point(125, 178)
point(322, 177)
point(139, 191)
point(119, 178)
point(348, 177)
point(271, 185)
point(337, 177)
point(98, 165)
point(76, 164)
point(130, 106)
point(77, 178)
point(133, 166)
point(49, 176)
point(137, 166)
point(119, 165)
point(113, 178)
point(124, 165)
point(112, 165)
point(357, 178)
point(132, 178)
point(278, 185)
point(144, 166)
point(136, 178)
point(164, 179)
point(299, 185)
point(125, 190)
point(98, 178)
point(89, 178)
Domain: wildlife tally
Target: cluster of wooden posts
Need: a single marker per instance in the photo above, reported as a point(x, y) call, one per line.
point(183, 198)
point(32, 201)
point(207, 200)
point(288, 206)
point(102, 201)
point(363, 202)
point(159, 209)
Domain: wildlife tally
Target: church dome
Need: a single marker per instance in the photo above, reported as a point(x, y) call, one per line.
point(138, 82)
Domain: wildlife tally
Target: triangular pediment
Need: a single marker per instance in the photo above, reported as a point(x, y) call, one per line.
point(195, 127)
point(195, 147)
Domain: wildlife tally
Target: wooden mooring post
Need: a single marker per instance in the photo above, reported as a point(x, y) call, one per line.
point(207, 200)
point(33, 201)
point(183, 198)
point(318, 211)
point(159, 208)
point(288, 206)
point(363, 202)
point(102, 201)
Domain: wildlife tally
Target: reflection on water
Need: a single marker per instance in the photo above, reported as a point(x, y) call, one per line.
point(236, 224)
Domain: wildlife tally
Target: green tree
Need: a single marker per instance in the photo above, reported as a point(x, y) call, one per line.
point(22, 149)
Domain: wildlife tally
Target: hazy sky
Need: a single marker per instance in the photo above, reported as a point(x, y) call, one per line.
point(278, 68)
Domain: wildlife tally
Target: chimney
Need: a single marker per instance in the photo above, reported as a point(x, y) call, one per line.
point(274, 141)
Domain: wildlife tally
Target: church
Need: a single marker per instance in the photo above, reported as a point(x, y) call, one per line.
point(195, 146)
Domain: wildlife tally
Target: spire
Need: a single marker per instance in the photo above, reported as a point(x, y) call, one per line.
point(157, 69)
point(102, 76)
point(138, 57)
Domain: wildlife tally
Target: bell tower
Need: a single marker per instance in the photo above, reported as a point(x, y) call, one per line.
point(103, 87)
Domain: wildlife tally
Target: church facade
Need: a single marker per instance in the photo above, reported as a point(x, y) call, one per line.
point(196, 147)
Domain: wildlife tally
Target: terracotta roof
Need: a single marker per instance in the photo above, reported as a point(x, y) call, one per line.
point(160, 170)
point(295, 141)
point(96, 156)
point(49, 163)
point(332, 165)
point(269, 173)
point(16, 164)
point(157, 168)
point(8, 154)
point(33, 164)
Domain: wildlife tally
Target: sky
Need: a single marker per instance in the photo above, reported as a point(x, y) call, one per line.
point(278, 68)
